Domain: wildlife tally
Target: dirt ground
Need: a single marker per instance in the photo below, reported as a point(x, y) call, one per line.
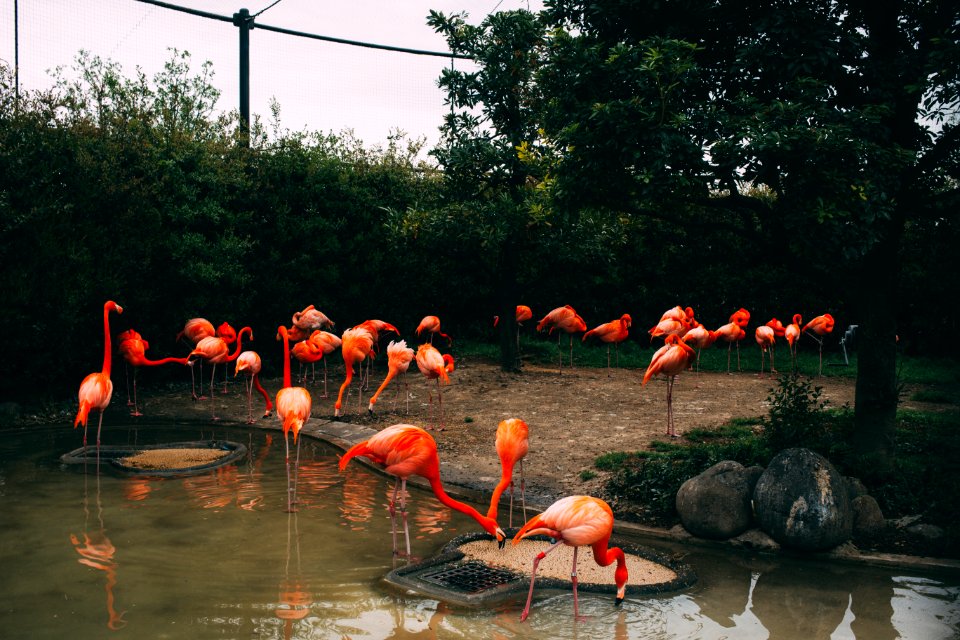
point(573, 416)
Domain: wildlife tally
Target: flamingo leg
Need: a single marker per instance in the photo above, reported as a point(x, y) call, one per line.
point(126, 378)
point(533, 575)
point(738, 356)
point(99, 425)
point(324, 377)
point(773, 367)
point(440, 403)
point(213, 400)
point(193, 383)
point(573, 580)
point(136, 411)
point(729, 348)
point(560, 351)
point(523, 486)
point(250, 401)
point(571, 351)
point(403, 512)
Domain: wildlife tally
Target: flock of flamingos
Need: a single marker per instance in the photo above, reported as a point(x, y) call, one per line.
point(404, 450)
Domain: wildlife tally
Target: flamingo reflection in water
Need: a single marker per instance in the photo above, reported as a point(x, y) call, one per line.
point(295, 597)
point(356, 508)
point(97, 552)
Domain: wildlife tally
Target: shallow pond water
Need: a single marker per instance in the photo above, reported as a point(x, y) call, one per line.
point(94, 554)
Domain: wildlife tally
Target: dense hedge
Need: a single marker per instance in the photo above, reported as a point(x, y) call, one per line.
point(164, 210)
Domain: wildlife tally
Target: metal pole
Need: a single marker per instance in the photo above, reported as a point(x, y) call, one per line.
point(16, 50)
point(244, 21)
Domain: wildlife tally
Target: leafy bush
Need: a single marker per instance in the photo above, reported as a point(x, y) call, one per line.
point(797, 417)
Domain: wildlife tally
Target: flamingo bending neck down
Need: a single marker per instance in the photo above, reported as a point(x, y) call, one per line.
point(431, 324)
point(403, 450)
point(96, 389)
point(577, 521)
point(765, 337)
point(399, 357)
point(293, 408)
point(355, 345)
point(791, 334)
point(216, 351)
point(512, 447)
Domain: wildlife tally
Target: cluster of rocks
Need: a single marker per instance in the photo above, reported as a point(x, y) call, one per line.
point(800, 501)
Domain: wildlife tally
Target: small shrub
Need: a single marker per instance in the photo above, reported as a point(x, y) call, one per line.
point(586, 474)
point(797, 417)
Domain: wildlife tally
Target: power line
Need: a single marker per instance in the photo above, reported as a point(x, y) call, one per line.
point(271, 6)
point(302, 34)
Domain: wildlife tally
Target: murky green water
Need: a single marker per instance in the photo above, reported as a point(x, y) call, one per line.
point(97, 555)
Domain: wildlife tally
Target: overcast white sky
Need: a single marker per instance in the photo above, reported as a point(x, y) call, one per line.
point(320, 86)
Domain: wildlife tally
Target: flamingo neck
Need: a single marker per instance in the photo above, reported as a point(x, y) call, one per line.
point(500, 488)
point(442, 496)
point(605, 555)
point(286, 357)
point(236, 354)
point(106, 340)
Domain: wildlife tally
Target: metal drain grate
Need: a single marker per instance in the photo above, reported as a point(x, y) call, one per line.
point(470, 577)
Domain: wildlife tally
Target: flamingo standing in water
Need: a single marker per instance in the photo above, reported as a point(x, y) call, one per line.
point(399, 357)
point(670, 360)
point(216, 351)
point(249, 362)
point(792, 333)
point(577, 521)
point(293, 408)
point(565, 319)
point(403, 450)
point(133, 348)
point(96, 389)
point(821, 325)
point(615, 332)
point(765, 337)
point(195, 330)
point(355, 345)
point(512, 446)
point(431, 324)
point(434, 366)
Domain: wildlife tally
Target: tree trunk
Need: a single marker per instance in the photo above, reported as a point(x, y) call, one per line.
point(877, 391)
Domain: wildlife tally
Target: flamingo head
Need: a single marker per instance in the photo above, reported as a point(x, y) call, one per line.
point(227, 332)
point(110, 305)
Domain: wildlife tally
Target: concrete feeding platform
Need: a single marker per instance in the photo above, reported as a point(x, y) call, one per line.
point(471, 571)
point(164, 460)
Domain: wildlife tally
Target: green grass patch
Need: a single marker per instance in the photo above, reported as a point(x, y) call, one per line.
point(587, 474)
point(936, 395)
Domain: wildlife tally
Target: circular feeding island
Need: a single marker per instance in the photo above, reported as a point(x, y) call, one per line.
point(167, 459)
point(471, 570)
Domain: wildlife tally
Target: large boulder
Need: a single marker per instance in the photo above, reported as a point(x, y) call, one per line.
point(802, 502)
point(716, 503)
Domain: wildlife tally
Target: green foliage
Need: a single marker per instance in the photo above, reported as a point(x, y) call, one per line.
point(797, 417)
point(586, 475)
point(649, 480)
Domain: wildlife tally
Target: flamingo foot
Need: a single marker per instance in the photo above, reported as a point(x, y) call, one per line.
point(135, 414)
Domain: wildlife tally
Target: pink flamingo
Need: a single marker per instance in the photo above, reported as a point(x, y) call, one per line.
point(700, 338)
point(133, 349)
point(765, 337)
point(374, 328)
point(327, 343)
point(670, 360)
point(792, 333)
point(512, 446)
point(293, 408)
point(195, 330)
point(821, 325)
point(249, 363)
point(403, 450)
point(577, 521)
point(730, 333)
point(311, 319)
point(565, 319)
point(615, 332)
point(96, 389)
point(434, 366)
point(216, 351)
point(399, 357)
point(431, 324)
point(356, 345)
